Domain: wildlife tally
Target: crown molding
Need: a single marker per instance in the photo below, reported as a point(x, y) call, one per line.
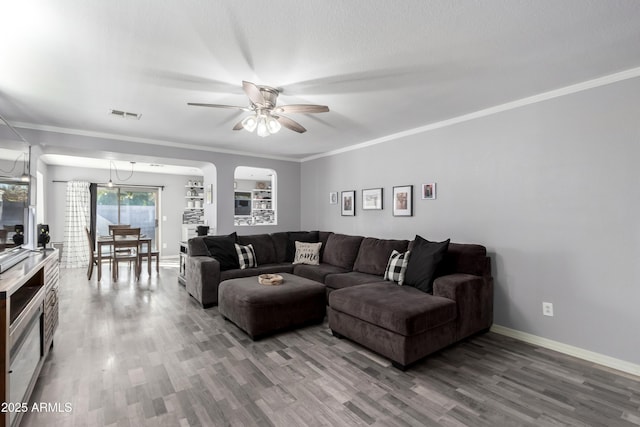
point(150, 141)
point(545, 96)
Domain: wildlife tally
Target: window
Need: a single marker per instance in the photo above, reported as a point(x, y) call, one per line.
point(254, 196)
point(135, 206)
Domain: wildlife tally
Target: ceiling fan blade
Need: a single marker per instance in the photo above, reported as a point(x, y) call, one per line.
point(290, 124)
point(253, 92)
point(238, 125)
point(197, 104)
point(302, 108)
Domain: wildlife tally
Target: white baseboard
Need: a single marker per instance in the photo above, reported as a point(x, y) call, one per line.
point(580, 353)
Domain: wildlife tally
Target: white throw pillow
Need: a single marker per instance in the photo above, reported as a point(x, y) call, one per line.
point(307, 253)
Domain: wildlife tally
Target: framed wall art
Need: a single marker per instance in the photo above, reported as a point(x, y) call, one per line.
point(372, 199)
point(333, 198)
point(348, 199)
point(429, 191)
point(403, 200)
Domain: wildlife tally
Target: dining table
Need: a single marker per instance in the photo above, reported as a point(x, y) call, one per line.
point(107, 241)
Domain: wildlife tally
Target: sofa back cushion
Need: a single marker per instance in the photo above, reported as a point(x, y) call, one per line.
point(466, 258)
point(374, 254)
point(223, 249)
point(280, 241)
point(342, 250)
point(197, 247)
point(262, 246)
point(463, 258)
point(323, 236)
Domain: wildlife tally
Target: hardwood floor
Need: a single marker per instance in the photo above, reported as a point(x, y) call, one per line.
point(145, 354)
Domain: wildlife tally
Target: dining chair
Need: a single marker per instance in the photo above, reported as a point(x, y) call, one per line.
point(143, 255)
point(93, 255)
point(114, 226)
point(126, 245)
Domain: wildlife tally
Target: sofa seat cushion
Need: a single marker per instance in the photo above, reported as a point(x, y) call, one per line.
point(353, 278)
point(316, 272)
point(260, 269)
point(400, 309)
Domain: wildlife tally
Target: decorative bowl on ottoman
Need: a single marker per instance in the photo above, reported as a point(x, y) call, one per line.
point(270, 279)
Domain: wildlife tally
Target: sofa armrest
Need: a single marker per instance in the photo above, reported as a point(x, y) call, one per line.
point(203, 277)
point(474, 299)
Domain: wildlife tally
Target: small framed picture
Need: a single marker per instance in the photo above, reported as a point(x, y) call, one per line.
point(372, 199)
point(333, 198)
point(429, 191)
point(403, 200)
point(348, 203)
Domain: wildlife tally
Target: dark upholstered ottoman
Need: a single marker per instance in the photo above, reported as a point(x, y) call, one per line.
point(398, 322)
point(260, 309)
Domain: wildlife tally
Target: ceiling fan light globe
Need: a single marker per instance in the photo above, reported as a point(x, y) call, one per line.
point(273, 125)
point(249, 123)
point(262, 129)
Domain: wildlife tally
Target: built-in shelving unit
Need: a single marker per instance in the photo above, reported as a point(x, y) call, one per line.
point(262, 206)
point(194, 203)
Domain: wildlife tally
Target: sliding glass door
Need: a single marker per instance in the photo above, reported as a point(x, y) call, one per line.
point(136, 206)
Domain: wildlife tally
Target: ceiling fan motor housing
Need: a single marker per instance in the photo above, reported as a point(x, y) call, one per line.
point(270, 96)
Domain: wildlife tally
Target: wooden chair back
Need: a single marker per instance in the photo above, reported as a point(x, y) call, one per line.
point(92, 246)
point(112, 226)
point(125, 238)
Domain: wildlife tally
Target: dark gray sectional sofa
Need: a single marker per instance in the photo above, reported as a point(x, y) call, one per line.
point(402, 323)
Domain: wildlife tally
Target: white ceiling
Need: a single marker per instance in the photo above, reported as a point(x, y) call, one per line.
point(383, 67)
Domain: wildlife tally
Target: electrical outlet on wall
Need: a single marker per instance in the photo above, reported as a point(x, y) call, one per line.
point(547, 309)
point(164, 246)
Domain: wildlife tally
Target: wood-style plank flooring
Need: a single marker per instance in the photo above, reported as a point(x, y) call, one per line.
point(145, 354)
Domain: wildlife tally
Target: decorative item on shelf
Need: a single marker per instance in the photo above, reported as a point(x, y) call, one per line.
point(18, 237)
point(270, 279)
point(202, 230)
point(43, 235)
point(190, 204)
point(261, 185)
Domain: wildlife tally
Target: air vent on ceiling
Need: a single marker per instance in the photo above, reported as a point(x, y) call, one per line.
point(125, 114)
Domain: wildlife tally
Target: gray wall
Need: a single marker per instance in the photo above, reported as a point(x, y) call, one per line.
point(551, 189)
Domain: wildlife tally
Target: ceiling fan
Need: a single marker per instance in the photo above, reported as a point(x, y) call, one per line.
point(267, 117)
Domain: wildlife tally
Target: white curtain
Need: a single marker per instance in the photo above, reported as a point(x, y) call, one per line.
point(77, 217)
